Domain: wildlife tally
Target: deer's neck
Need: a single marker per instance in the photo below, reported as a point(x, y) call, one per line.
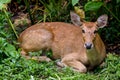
point(93, 56)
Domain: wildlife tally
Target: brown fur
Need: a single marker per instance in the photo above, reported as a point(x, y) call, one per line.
point(66, 42)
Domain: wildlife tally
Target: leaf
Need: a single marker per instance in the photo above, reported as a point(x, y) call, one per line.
point(11, 51)
point(74, 2)
point(92, 5)
point(118, 1)
point(5, 1)
point(80, 12)
point(2, 43)
point(2, 6)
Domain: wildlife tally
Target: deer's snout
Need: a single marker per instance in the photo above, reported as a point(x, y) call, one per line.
point(88, 45)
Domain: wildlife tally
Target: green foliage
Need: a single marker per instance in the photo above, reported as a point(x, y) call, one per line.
point(8, 49)
point(6, 37)
point(23, 69)
point(51, 10)
point(14, 67)
point(56, 10)
point(74, 2)
point(112, 33)
point(2, 20)
point(27, 3)
point(3, 2)
point(92, 5)
point(118, 1)
point(3, 7)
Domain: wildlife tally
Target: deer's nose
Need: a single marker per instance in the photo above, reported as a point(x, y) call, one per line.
point(88, 45)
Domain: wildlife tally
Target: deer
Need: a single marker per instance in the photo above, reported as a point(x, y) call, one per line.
point(77, 45)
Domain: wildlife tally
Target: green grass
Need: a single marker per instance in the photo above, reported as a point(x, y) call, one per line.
point(14, 67)
point(22, 69)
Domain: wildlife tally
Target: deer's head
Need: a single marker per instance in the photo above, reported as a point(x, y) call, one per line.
point(89, 29)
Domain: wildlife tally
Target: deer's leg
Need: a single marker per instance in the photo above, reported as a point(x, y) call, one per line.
point(24, 54)
point(38, 58)
point(72, 62)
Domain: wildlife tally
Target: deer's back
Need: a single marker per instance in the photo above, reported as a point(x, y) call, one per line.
point(66, 38)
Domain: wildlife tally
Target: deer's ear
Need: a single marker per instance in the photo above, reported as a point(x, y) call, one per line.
point(75, 19)
point(102, 21)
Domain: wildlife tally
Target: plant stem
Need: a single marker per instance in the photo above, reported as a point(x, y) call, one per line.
point(112, 13)
point(27, 3)
point(10, 23)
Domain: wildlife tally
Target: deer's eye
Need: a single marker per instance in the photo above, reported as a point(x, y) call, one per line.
point(83, 31)
point(95, 31)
